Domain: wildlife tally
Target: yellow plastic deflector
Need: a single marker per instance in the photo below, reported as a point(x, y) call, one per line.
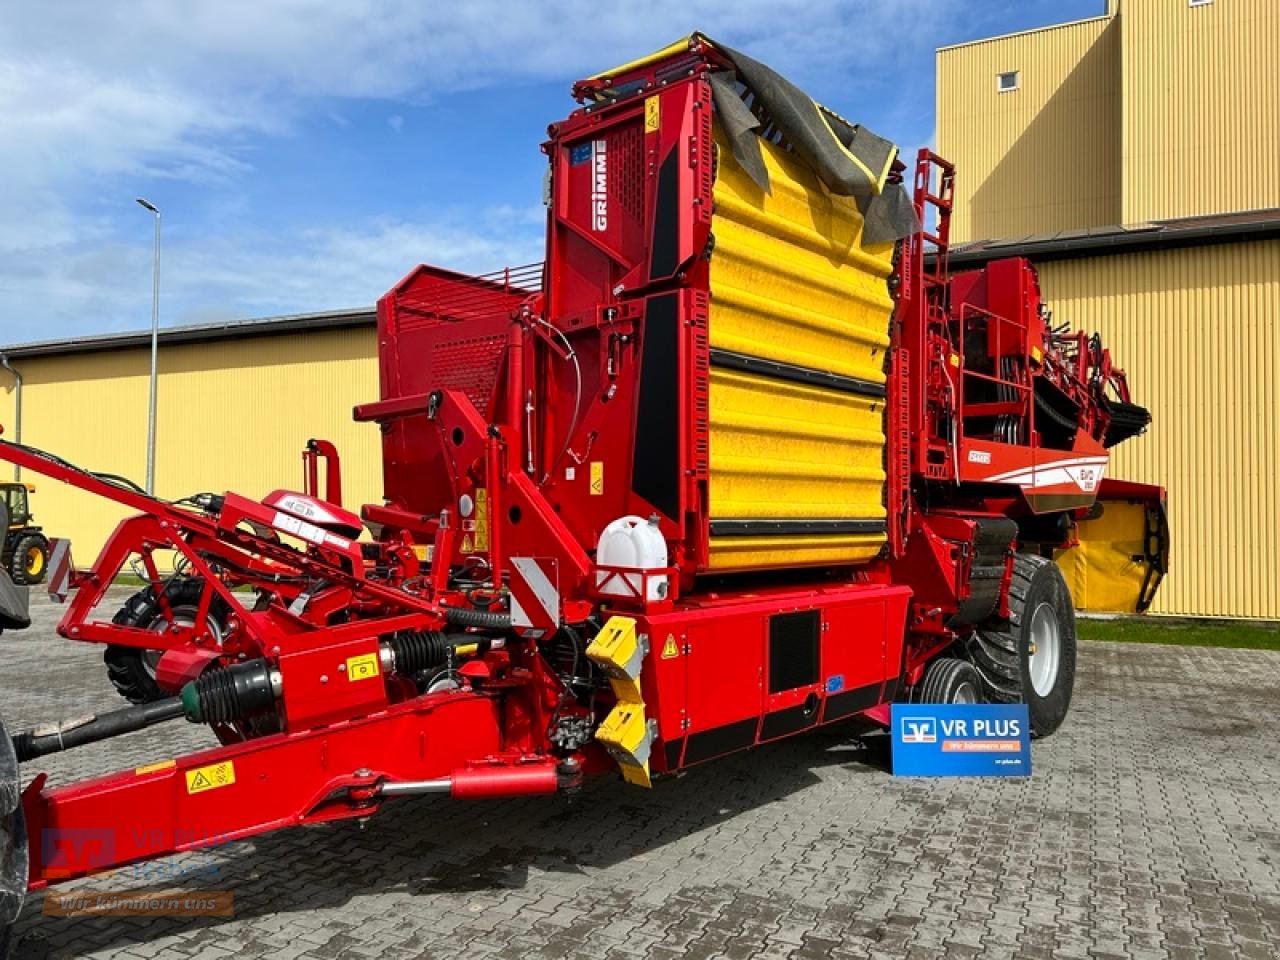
point(627, 733)
point(791, 282)
point(1101, 572)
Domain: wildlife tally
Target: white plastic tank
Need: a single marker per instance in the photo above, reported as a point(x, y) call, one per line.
point(632, 543)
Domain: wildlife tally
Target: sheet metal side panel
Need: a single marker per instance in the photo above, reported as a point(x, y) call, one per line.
point(1201, 107)
point(1044, 157)
point(1198, 332)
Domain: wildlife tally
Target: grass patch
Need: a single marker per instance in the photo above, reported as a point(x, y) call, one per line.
point(129, 580)
point(1182, 633)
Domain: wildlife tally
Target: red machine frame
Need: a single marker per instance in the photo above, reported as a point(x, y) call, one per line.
point(354, 728)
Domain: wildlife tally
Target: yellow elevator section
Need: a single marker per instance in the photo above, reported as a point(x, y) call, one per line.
point(793, 283)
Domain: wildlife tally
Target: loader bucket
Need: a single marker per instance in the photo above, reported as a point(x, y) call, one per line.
point(1123, 552)
point(13, 842)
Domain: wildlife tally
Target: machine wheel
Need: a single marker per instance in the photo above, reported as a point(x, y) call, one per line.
point(13, 843)
point(30, 560)
point(948, 680)
point(1032, 658)
point(132, 671)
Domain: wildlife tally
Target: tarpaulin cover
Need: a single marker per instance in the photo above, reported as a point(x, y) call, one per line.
point(849, 159)
point(754, 102)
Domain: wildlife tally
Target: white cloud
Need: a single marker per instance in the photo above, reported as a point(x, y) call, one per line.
point(95, 96)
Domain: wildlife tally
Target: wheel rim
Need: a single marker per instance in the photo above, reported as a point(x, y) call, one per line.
point(182, 617)
point(35, 561)
point(966, 692)
point(1046, 649)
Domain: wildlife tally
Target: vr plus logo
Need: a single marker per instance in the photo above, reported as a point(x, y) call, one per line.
point(599, 186)
point(919, 730)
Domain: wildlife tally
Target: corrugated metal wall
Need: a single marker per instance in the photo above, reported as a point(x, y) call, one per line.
point(1164, 110)
point(233, 415)
point(1041, 158)
point(1198, 332)
point(1201, 107)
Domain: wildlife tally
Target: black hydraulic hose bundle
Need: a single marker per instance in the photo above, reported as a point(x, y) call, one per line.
point(482, 619)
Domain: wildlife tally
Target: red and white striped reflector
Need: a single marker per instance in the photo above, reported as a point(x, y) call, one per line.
point(60, 568)
point(535, 593)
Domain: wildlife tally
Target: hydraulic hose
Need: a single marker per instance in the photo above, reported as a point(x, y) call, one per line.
point(483, 619)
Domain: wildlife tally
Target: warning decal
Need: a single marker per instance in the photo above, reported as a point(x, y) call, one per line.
point(652, 114)
point(362, 667)
point(212, 777)
point(597, 477)
point(153, 767)
point(669, 649)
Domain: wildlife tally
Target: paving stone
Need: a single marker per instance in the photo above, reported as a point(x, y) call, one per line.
point(1150, 829)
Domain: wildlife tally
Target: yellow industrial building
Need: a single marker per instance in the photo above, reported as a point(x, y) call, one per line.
point(1135, 157)
point(236, 404)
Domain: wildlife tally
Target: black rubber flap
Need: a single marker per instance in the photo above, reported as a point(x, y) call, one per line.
point(13, 842)
point(849, 159)
point(13, 604)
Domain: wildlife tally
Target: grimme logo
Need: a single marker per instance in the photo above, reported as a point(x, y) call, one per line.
point(919, 730)
point(599, 186)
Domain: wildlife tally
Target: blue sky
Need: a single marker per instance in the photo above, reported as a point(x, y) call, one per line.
point(307, 154)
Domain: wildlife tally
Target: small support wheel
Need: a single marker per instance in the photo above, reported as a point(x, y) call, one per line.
point(131, 670)
point(1032, 658)
point(949, 680)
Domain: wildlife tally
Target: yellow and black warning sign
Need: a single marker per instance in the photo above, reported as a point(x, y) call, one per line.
point(154, 767)
point(363, 667)
point(652, 114)
point(212, 777)
point(670, 649)
point(597, 477)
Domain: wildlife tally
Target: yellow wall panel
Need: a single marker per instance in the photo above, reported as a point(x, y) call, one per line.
point(1201, 107)
point(1198, 332)
point(233, 415)
point(1044, 157)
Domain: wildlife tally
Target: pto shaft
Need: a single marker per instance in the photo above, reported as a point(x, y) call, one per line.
point(54, 738)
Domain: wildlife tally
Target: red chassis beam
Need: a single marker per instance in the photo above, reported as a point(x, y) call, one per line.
point(278, 781)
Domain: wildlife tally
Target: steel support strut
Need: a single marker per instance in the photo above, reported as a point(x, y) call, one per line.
point(250, 788)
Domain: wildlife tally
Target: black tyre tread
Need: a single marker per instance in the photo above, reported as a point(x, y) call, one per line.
point(125, 668)
point(17, 564)
point(998, 652)
point(942, 676)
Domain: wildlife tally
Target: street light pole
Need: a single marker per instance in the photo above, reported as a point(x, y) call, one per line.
point(155, 332)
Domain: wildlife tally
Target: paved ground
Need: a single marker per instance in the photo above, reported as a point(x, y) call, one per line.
point(1150, 828)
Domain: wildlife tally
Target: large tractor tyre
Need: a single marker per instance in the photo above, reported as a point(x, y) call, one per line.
point(1032, 658)
point(30, 561)
point(131, 670)
point(948, 680)
point(13, 843)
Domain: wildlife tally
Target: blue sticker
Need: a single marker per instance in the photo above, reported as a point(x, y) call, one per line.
point(580, 154)
point(961, 740)
point(835, 684)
